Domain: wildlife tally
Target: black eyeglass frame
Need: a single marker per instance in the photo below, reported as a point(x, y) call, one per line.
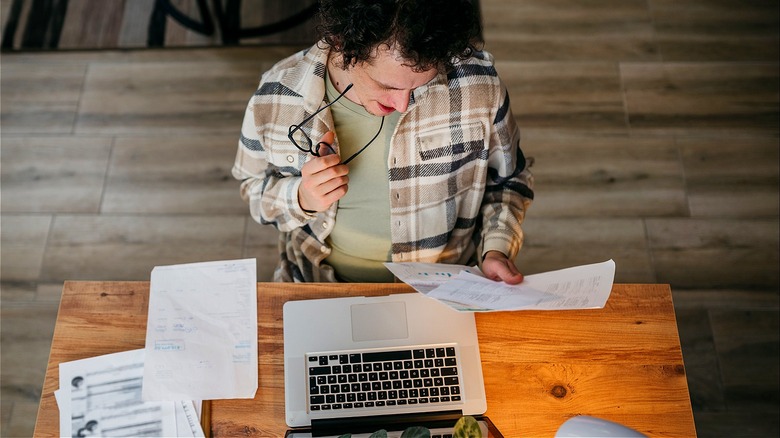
point(315, 150)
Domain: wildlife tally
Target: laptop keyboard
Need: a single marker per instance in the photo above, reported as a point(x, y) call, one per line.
point(359, 379)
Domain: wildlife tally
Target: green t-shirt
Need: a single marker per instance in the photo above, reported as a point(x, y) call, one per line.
point(360, 238)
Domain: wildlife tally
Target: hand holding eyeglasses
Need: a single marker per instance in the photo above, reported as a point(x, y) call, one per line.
point(323, 178)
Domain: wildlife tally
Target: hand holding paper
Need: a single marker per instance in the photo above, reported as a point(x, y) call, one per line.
point(580, 287)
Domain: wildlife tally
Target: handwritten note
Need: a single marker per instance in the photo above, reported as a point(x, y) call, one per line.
point(580, 287)
point(201, 334)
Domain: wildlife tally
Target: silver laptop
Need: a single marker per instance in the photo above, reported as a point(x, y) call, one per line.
point(354, 363)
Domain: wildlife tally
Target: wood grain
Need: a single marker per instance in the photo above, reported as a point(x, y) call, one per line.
point(622, 362)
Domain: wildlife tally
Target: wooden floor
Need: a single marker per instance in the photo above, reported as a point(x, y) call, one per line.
point(653, 123)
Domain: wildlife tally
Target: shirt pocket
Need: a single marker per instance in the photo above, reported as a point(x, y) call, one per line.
point(452, 160)
point(451, 143)
point(283, 154)
point(451, 179)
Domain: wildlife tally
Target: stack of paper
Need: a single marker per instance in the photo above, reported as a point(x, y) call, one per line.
point(201, 344)
point(101, 396)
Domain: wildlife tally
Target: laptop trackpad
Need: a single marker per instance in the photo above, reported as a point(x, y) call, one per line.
point(380, 321)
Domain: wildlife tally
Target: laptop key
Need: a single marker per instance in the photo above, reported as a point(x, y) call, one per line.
point(316, 371)
point(449, 371)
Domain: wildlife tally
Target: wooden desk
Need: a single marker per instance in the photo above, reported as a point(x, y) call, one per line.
point(622, 363)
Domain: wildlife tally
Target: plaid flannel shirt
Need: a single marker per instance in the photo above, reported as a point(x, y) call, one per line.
point(459, 182)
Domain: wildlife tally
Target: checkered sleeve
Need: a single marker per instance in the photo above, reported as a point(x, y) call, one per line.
point(270, 190)
point(509, 188)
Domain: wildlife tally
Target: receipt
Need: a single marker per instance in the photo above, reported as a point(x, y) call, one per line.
point(201, 334)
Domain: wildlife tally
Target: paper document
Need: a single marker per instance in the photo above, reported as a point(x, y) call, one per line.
point(101, 396)
point(201, 335)
point(425, 277)
point(580, 287)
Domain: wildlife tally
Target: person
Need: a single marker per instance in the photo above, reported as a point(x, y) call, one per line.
point(390, 139)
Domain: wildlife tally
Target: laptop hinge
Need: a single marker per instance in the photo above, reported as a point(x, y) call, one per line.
point(370, 424)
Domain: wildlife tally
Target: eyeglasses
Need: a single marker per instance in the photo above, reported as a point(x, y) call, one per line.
point(298, 137)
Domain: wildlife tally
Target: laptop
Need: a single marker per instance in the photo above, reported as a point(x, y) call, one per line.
point(360, 364)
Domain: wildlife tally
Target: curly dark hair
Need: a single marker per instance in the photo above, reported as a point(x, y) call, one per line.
point(427, 33)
